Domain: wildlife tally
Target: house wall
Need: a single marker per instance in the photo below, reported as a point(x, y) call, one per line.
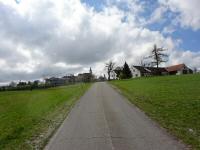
point(55, 82)
point(179, 72)
point(85, 77)
point(184, 70)
point(135, 72)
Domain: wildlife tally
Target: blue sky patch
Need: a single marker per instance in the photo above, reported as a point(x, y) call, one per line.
point(97, 4)
point(17, 1)
point(188, 37)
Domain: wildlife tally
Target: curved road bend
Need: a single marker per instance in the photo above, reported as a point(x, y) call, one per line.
point(105, 120)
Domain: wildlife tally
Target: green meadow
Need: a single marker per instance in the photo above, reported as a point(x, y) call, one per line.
point(173, 101)
point(29, 118)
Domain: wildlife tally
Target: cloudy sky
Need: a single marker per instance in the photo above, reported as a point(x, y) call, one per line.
point(40, 38)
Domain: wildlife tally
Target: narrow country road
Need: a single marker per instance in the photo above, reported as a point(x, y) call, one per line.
point(105, 120)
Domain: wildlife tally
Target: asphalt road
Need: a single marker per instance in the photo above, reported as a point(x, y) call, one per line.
point(105, 120)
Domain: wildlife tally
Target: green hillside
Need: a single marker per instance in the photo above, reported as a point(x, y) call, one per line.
point(174, 101)
point(28, 118)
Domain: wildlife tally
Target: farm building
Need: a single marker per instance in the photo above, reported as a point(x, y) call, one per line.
point(84, 77)
point(179, 69)
point(69, 78)
point(55, 81)
point(140, 71)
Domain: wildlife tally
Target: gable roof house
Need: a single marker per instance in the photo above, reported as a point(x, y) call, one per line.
point(84, 77)
point(53, 81)
point(69, 78)
point(179, 69)
point(140, 71)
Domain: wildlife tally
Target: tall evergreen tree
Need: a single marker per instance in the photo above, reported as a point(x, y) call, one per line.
point(126, 72)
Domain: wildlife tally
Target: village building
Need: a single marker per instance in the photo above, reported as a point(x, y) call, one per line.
point(179, 69)
point(69, 79)
point(141, 71)
point(85, 77)
point(53, 81)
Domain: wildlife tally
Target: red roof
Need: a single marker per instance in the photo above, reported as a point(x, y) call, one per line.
point(175, 67)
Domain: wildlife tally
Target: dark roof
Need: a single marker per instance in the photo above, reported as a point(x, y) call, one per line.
point(142, 69)
point(68, 76)
point(83, 74)
point(54, 79)
point(154, 69)
point(151, 70)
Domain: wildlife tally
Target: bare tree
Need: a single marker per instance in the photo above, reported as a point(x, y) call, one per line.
point(143, 62)
point(158, 56)
point(110, 67)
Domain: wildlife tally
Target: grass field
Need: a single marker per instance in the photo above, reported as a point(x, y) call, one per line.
point(28, 118)
point(173, 101)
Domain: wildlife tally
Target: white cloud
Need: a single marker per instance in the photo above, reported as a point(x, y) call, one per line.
point(168, 30)
point(188, 14)
point(191, 59)
point(157, 15)
point(42, 38)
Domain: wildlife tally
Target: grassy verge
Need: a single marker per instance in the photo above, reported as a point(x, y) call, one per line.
point(173, 101)
point(28, 118)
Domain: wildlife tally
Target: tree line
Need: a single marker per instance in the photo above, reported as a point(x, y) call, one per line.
point(24, 86)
